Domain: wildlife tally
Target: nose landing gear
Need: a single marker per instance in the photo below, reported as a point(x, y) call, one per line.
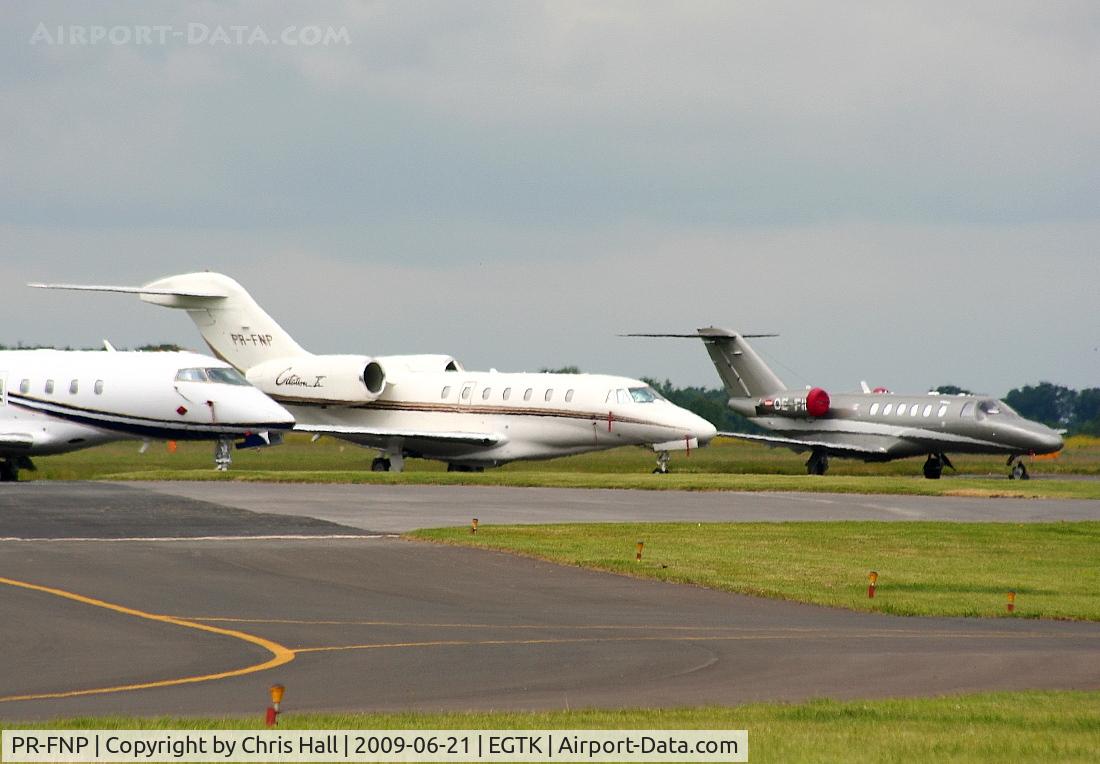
point(1019, 470)
point(662, 463)
point(223, 456)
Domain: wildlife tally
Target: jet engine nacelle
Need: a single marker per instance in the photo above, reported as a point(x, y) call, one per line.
point(814, 403)
point(328, 379)
point(423, 362)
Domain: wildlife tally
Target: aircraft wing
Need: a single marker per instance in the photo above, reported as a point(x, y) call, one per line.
point(835, 448)
point(468, 438)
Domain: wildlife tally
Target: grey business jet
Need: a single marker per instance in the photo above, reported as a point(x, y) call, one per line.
point(873, 425)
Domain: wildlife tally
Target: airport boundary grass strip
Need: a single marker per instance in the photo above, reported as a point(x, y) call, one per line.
point(888, 485)
point(987, 727)
point(722, 457)
point(924, 568)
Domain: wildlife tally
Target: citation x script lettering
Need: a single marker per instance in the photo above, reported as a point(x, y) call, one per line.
point(875, 426)
point(55, 401)
point(424, 406)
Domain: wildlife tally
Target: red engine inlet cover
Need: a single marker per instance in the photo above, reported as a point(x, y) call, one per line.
point(817, 402)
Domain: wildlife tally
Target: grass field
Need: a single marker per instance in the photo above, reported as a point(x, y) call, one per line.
point(725, 465)
point(925, 568)
point(994, 727)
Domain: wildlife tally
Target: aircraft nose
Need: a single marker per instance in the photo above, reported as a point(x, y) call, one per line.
point(1048, 442)
point(254, 409)
point(703, 430)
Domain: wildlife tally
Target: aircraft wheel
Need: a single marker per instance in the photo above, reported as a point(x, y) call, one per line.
point(1019, 472)
point(9, 473)
point(817, 464)
point(933, 468)
point(380, 464)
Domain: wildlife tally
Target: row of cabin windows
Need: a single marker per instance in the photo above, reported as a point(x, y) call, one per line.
point(913, 410)
point(486, 392)
point(74, 387)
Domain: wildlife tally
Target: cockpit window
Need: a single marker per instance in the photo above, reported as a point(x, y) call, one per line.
point(226, 376)
point(990, 407)
point(217, 374)
point(191, 375)
point(644, 395)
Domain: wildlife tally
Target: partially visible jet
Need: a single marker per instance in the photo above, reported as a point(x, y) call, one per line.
point(875, 426)
point(55, 401)
point(424, 406)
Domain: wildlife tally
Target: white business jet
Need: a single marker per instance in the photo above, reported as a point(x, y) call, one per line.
point(55, 401)
point(424, 406)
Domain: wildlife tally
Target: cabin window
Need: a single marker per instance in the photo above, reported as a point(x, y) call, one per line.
point(887, 409)
point(25, 386)
point(915, 410)
point(967, 409)
point(49, 387)
point(74, 387)
point(98, 388)
point(527, 393)
point(446, 393)
point(568, 396)
point(466, 392)
point(874, 409)
point(548, 395)
point(942, 411)
point(622, 396)
point(928, 410)
point(901, 409)
point(507, 393)
point(485, 393)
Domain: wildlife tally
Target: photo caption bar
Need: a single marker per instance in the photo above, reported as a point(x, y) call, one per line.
point(374, 745)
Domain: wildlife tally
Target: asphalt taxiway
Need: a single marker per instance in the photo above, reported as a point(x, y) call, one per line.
point(138, 599)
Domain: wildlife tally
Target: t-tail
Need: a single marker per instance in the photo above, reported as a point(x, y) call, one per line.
point(233, 325)
point(744, 374)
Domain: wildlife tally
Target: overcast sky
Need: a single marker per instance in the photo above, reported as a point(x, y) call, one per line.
point(909, 193)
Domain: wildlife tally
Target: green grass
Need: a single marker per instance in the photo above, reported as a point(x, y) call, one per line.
point(726, 466)
point(989, 727)
point(925, 568)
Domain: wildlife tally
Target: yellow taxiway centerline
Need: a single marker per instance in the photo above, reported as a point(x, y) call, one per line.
point(280, 653)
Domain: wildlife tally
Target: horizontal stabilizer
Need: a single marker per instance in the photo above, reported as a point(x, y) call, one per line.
point(200, 293)
point(697, 335)
point(471, 438)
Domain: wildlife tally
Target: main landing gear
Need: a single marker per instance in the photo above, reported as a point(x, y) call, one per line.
point(388, 463)
point(818, 463)
point(662, 463)
point(9, 471)
point(10, 466)
point(452, 467)
point(1019, 470)
point(933, 467)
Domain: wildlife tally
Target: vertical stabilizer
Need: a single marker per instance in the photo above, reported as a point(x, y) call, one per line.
point(744, 374)
point(235, 327)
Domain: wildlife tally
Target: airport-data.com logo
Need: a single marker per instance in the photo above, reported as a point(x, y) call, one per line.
point(192, 33)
